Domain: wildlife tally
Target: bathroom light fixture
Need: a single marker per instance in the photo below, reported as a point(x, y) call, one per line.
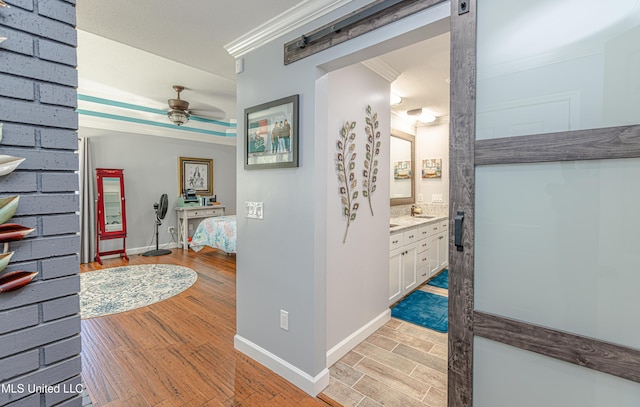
point(422, 115)
point(178, 114)
point(394, 99)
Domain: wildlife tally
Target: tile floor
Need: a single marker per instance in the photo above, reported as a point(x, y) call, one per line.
point(400, 365)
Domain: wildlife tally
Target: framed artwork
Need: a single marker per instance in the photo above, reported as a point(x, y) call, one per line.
point(432, 168)
point(195, 173)
point(271, 134)
point(402, 170)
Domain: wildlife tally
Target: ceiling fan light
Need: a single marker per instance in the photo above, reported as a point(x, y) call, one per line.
point(178, 117)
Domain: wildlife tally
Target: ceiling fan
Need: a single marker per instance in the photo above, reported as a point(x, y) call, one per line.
point(179, 109)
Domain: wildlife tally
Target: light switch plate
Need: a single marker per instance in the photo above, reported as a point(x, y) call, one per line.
point(437, 198)
point(254, 210)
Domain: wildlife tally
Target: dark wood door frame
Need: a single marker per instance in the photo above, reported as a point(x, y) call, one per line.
point(465, 154)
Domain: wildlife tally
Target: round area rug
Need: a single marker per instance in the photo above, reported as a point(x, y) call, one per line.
point(119, 289)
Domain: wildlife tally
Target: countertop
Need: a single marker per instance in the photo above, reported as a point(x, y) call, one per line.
point(402, 223)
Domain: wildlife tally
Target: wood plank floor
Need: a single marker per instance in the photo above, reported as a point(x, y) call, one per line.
point(179, 352)
point(401, 364)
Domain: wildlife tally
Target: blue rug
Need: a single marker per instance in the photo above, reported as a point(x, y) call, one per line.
point(441, 280)
point(424, 309)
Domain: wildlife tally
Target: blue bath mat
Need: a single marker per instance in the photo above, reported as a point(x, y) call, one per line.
point(424, 309)
point(441, 280)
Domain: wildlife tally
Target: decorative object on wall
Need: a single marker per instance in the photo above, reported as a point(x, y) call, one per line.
point(345, 167)
point(370, 171)
point(8, 207)
point(432, 168)
point(10, 232)
point(9, 163)
point(16, 279)
point(402, 170)
point(271, 134)
point(4, 260)
point(195, 174)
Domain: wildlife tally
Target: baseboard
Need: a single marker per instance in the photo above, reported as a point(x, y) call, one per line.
point(337, 352)
point(310, 385)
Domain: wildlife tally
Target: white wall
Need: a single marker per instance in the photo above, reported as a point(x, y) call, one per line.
point(432, 141)
point(150, 169)
point(282, 260)
point(358, 270)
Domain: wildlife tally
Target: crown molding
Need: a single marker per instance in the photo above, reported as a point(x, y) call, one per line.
point(282, 24)
point(382, 68)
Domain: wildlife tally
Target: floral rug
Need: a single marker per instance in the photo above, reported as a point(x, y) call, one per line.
point(119, 289)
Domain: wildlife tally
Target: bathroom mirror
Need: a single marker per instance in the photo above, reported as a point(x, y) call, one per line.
point(402, 168)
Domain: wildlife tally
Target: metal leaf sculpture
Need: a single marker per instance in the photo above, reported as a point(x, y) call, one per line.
point(11, 231)
point(345, 167)
point(370, 171)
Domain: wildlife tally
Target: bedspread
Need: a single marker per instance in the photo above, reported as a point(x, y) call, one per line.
point(218, 232)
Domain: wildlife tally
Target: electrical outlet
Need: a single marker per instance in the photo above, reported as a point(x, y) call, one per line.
point(284, 320)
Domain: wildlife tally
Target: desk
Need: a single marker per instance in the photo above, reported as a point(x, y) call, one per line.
point(185, 214)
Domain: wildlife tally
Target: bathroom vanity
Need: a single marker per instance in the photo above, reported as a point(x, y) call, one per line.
point(418, 250)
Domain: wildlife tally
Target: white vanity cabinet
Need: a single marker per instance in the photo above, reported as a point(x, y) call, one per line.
point(443, 245)
point(416, 254)
point(402, 264)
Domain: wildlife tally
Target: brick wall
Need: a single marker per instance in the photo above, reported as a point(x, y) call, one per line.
point(39, 323)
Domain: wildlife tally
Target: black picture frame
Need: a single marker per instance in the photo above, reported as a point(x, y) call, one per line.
point(271, 134)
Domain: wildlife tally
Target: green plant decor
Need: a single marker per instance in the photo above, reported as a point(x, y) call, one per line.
point(345, 167)
point(370, 171)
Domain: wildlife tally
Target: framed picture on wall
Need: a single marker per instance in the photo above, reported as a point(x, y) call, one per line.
point(271, 134)
point(432, 168)
point(195, 173)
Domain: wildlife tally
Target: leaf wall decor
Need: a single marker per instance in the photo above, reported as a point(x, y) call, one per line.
point(370, 171)
point(345, 167)
point(8, 207)
point(9, 163)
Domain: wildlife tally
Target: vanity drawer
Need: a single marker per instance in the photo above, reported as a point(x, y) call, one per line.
point(422, 245)
point(395, 241)
point(410, 236)
point(423, 259)
point(430, 230)
point(444, 225)
point(423, 233)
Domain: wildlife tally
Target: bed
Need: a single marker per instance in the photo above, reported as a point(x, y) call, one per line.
point(218, 232)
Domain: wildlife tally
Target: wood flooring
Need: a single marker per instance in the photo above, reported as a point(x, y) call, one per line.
point(401, 364)
point(179, 352)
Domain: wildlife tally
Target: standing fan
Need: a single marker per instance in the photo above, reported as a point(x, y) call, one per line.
point(161, 212)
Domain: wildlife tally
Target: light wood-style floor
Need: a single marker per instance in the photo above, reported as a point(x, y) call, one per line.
point(401, 364)
point(179, 352)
